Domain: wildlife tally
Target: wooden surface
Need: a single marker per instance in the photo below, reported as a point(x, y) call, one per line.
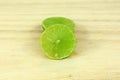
point(97, 54)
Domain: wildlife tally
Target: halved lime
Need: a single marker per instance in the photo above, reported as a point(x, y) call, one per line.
point(58, 20)
point(58, 41)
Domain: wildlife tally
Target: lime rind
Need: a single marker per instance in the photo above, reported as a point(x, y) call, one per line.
point(58, 20)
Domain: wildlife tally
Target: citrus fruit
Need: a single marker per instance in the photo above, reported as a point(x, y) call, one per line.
point(58, 20)
point(57, 41)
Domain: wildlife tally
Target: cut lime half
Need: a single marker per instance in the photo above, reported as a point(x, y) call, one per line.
point(58, 41)
point(58, 20)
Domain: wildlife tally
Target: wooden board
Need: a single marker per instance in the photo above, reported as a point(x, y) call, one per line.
point(97, 54)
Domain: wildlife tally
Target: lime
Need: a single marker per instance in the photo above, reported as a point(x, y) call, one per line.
point(58, 41)
point(58, 20)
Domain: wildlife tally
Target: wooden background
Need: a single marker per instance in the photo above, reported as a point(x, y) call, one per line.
point(97, 54)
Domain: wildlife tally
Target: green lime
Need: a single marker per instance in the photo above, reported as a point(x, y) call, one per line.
point(58, 20)
point(58, 41)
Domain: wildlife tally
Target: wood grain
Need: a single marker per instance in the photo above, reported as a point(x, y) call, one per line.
point(97, 54)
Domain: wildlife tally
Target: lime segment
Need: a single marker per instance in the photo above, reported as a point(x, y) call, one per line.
point(58, 41)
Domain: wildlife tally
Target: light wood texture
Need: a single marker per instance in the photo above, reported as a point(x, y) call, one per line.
point(97, 54)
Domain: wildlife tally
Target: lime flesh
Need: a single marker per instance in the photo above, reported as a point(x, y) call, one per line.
point(58, 41)
point(58, 20)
